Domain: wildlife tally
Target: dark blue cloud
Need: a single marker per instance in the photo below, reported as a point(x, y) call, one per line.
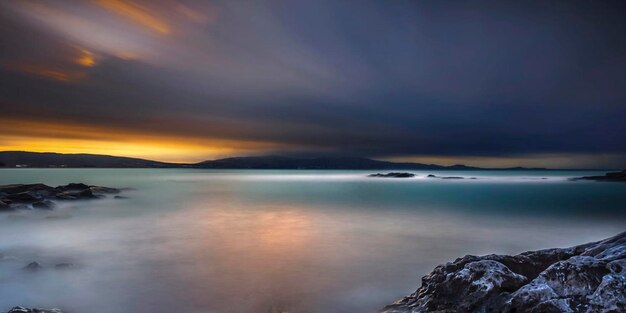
point(376, 78)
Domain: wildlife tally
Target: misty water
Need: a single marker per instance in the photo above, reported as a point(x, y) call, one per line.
point(280, 241)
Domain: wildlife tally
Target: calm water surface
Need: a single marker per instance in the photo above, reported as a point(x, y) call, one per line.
point(280, 241)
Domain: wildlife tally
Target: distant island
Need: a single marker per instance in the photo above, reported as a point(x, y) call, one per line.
point(19, 159)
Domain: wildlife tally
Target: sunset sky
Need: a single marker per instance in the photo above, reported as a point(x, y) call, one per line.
point(531, 83)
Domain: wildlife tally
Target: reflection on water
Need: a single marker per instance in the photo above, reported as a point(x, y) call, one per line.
point(272, 241)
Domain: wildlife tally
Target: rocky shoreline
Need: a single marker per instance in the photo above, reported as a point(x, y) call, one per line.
point(587, 278)
point(609, 177)
point(41, 196)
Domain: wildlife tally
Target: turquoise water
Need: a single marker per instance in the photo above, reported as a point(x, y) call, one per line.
point(281, 241)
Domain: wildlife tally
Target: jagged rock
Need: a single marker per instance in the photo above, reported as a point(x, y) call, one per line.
point(614, 177)
point(393, 175)
point(587, 278)
point(609, 296)
point(19, 309)
point(120, 197)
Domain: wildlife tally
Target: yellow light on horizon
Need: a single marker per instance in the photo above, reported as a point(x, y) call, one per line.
point(158, 151)
point(45, 136)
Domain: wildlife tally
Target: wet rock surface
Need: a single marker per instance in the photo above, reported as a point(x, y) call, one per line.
point(393, 175)
point(587, 278)
point(614, 177)
point(40, 196)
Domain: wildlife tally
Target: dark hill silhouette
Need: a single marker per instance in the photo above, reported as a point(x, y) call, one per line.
point(282, 162)
point(36, 159)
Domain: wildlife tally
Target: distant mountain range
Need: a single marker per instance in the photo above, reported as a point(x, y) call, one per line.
point(334, 163)
point(56, 160)
point(36, 159)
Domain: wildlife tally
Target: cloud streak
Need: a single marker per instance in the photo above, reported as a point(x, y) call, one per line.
point(388, 80)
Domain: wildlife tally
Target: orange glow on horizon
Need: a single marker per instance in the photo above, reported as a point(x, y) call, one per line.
point(35, 136)
point(162, 151)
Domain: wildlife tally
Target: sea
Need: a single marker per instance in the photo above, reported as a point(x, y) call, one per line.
point(272, 241)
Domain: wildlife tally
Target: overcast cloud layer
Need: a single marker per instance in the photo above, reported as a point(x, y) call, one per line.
point(385, 79)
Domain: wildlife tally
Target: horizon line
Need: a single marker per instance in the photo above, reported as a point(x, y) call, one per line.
point(468, 167)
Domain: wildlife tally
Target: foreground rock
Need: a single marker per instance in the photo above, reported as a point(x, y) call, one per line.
point(19, 309)
point(40, 196)
point(586, 278)
point(615, 176)
point(393, 175)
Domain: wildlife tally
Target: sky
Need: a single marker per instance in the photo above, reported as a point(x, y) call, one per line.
point(487, 83)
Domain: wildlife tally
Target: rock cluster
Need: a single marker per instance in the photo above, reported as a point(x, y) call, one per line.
point(35, 266)
point(614, 176)
point(587, 278)
point(393, 175)
point(40, 196)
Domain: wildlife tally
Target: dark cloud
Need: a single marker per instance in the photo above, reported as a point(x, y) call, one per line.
point(384, 79)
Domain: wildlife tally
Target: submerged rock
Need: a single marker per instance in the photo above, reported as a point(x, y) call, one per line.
point(5, 206)
point(44, 205)
point(65, 266)
point(586, 278)
point(444, 177)
point(393, 175)
point(33, 266)
point(614, 177)
point(19, 309)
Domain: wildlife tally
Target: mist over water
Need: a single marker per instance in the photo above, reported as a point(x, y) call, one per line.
point(280, 241)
